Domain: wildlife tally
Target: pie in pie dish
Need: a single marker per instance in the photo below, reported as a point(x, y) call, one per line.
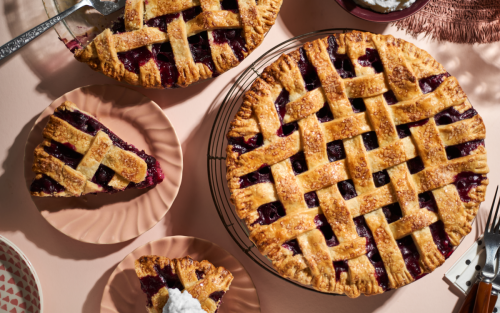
point(202, 280)
point(357, 163)
point(79, 155)
point(174, 43)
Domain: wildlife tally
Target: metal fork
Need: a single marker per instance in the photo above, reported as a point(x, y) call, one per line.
point(103, 7)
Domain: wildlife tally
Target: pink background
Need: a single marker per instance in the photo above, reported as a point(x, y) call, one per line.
point(73, 274)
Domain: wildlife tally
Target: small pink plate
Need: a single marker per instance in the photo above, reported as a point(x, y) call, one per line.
point(113, 218)
point(20, 289)
point(369, 15)
point(123, 292)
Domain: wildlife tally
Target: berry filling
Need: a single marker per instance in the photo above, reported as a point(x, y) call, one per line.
point(150, 285)
point(465, 182)
point(118, 26)
point(230, 5)
point(64, 152)
point(281, 102)
point(200, 50)
point(371, 58)
point(241, 145)
point(190, 14)
point(441, 239)
point(335, 150)
point(415, 165)
point(162, 21)
point(340, 267)
point(347, 189)
point(200, 274)
point(46, 185)
point(287, 129)
point(164, 57)
point(234, 38)
point(381, 178)
point(322, 224)
point(325, 114)
point(451, 115)
point(262, 175)
point(341, 62)
point(427, 200)
point(299, 164)
point(292, 245)
point(270, 213)
point(370, 140)
point(308, 71)
point(312, 200)
point(358, 105)
point(390, 97)
point(216, 296)
point(410, 256)
point(463, 149)
point(372, 252)
point(429, 84)
point(134, 59)
point(404, 129)
point(392, 212)
point(102, 177)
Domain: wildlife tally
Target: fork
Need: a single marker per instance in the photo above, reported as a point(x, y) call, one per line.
point(103, 7)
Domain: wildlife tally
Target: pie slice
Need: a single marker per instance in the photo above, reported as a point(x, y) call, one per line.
point(79, 155)
point(202, 280)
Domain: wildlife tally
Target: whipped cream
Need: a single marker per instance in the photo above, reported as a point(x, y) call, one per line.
point(385, 6)
point(182, 302)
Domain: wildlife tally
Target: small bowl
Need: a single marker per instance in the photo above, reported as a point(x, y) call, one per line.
point(372, 16)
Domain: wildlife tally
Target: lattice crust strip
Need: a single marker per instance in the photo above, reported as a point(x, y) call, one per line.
point(357, 163)
point(174, 43)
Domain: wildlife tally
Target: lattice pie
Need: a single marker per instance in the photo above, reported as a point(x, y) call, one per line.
point(174, 43)
point(357, 163)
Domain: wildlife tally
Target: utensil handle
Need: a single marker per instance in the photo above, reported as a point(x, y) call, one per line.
point(493, 301)
point(468, 304)
point(482, 298)
point(21, 40)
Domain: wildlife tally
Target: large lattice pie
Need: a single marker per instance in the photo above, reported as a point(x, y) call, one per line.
point(79, 155)
point(202, 280)
point(174, 43)
point(357, 163)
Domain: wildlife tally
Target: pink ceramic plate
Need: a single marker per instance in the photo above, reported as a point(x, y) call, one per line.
point(20, 290)
point(123, 292)
point(373, 16)
point(106, 218)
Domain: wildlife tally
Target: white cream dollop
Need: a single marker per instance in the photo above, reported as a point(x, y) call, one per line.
point(182, 302)
point(385, 6)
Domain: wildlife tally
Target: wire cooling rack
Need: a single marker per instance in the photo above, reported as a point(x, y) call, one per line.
point(216, 156)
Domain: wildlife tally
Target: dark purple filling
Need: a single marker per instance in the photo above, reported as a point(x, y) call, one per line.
point(200, 50)
point(91, 126)
point(270, 213)
point(404, 129)
point(451, 115)
point(230, 5)
point(370, 140)
point(358, 105)
point(262, 175)
point(233, 37)
point(241, 145)
point(102, 177)
point(150, 285)
point(311, 199)
point(335, 150)
point(200, 274)
point(371, 58)
point(340, 267)
point(46, 185)
point(292, 245)
point(216, 295)
point(325, 114)
point(118, 26)
point(427, 200)
point(162, 21)
point(281, 102)
point(429, 84)
point(390, 97)
point(299, 164)
point(410, 256)
point(165, 61)
point(190, 14)
point(341, 62)
point(347, 189)
point(169, 278)
point(287, 129)
point(322, 224)
point(463, 149)
point(381, 178)
point(64, 153)
point(134, 59)
point(415, 165)
point(392, 212)
point(441, 239)
point(372, 252)
point(308, 71)
point(465, 182)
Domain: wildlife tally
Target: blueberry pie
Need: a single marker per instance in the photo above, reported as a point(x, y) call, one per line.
point(174, 43)
point(357, 163)
point(202, 280)
point(79, 155)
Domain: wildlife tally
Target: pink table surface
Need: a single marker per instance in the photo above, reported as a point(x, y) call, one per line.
point(73, 274)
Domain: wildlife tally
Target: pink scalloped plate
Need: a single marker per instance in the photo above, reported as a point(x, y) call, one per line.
point(123, 292)
point(113, 218)
point(20, 290)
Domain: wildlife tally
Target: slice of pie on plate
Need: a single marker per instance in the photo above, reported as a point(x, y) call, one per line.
point(79, 156)
point(202, 280)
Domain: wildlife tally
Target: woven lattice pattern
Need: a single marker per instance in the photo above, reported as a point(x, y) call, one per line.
point(174, 43)
point(357, 163)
